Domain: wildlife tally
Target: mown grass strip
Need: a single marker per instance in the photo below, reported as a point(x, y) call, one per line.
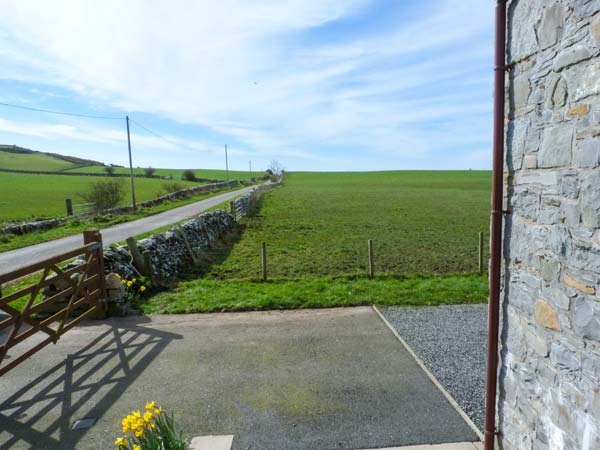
point(210, 295)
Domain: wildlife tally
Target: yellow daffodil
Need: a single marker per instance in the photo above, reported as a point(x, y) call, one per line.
point(150, 405)
point(129, 283)
point(118, 276)
point(148, 416)
point(136, 447)
point(142, 288)
point(139, 433)
point(121, 442)
point(123, 281)
point(134, 280)
point(158, 410)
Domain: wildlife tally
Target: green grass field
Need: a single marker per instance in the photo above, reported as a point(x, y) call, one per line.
point(316, 228)
point(211, 174)
point(28, 196)
point(33, 161)
point(319, 224)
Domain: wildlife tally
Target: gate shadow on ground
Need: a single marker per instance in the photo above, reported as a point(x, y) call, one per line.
point(83, 385)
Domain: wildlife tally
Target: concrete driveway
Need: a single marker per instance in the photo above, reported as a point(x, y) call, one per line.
point(297, 380)
point(21, 257)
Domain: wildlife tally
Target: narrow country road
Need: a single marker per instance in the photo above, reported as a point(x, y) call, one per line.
point(15, 259)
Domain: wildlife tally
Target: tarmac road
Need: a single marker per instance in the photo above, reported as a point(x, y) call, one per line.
point(15, 259)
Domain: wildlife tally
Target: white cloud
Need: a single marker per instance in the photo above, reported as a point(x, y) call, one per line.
point(253, 70)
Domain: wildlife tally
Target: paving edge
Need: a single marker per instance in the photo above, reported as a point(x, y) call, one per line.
point(430, 375)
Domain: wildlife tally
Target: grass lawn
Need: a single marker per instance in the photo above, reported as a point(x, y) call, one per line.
point(316, 228)
point(212, 174)
point(28, 196)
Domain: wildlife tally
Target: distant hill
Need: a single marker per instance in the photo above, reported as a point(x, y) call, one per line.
point(19, 158)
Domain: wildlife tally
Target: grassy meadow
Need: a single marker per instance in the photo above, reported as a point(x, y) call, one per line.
point(29, 196)
point(32, 161)
point(424, 226)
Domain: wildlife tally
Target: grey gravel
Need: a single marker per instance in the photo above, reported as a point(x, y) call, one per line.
point(452, 342)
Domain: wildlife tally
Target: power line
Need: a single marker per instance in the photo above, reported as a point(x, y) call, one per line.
point(178, 144)
point(62, 113)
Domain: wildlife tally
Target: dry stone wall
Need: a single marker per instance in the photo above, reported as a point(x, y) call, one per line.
point(549, 390)
point(169, 251)
point(246, 203)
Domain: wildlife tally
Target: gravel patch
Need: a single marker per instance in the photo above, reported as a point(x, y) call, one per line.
point(452, 342)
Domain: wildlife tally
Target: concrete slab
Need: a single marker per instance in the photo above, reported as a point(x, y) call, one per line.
point(297, 380)
point(212, 443)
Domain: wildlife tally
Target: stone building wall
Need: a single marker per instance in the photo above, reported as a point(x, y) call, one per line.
point(549, 390)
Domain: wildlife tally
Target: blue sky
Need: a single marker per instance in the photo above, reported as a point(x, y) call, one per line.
point(315, 84)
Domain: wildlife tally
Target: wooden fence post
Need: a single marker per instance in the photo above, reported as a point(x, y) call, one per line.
point(138, 260)
point(264, 261)
point(371, 262)
point(187, 244)
point(480, 259)
point(148, 265)
point(89, 237)
point(232, 208)
point(69, 204)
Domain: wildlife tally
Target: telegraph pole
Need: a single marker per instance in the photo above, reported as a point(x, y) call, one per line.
point(226, 163)
point(130, 165)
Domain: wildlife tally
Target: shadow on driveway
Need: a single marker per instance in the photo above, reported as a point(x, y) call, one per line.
point(294, 380)
point(37, 411)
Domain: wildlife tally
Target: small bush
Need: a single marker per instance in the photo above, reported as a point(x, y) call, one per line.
point(149, 171)
point(110, 169)
point(188, 175)
point(105, 194)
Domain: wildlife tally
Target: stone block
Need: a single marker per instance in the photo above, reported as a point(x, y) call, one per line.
point(587, 322)
point(585, 81)
point(582, 8)
point(579, 285)
point(564, 358)
point(556, 146)
point(570, 213)
point(587, 153)
point(557, 92)
point(524, 41)
point(112, 281)
point(580, 110)
point(530, 162)
point(521, 90)
point(550, 27)
point(546, 315)
point(549, 268)
point(571, 56)
point(595, 30)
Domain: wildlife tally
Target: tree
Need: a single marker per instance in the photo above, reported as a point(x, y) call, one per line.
point(105, 194)
point(109, 169)
point(188, 175)
point(276, 169)
point(149, 171)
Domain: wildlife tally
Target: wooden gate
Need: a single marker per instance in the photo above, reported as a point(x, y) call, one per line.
point(53, 304)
